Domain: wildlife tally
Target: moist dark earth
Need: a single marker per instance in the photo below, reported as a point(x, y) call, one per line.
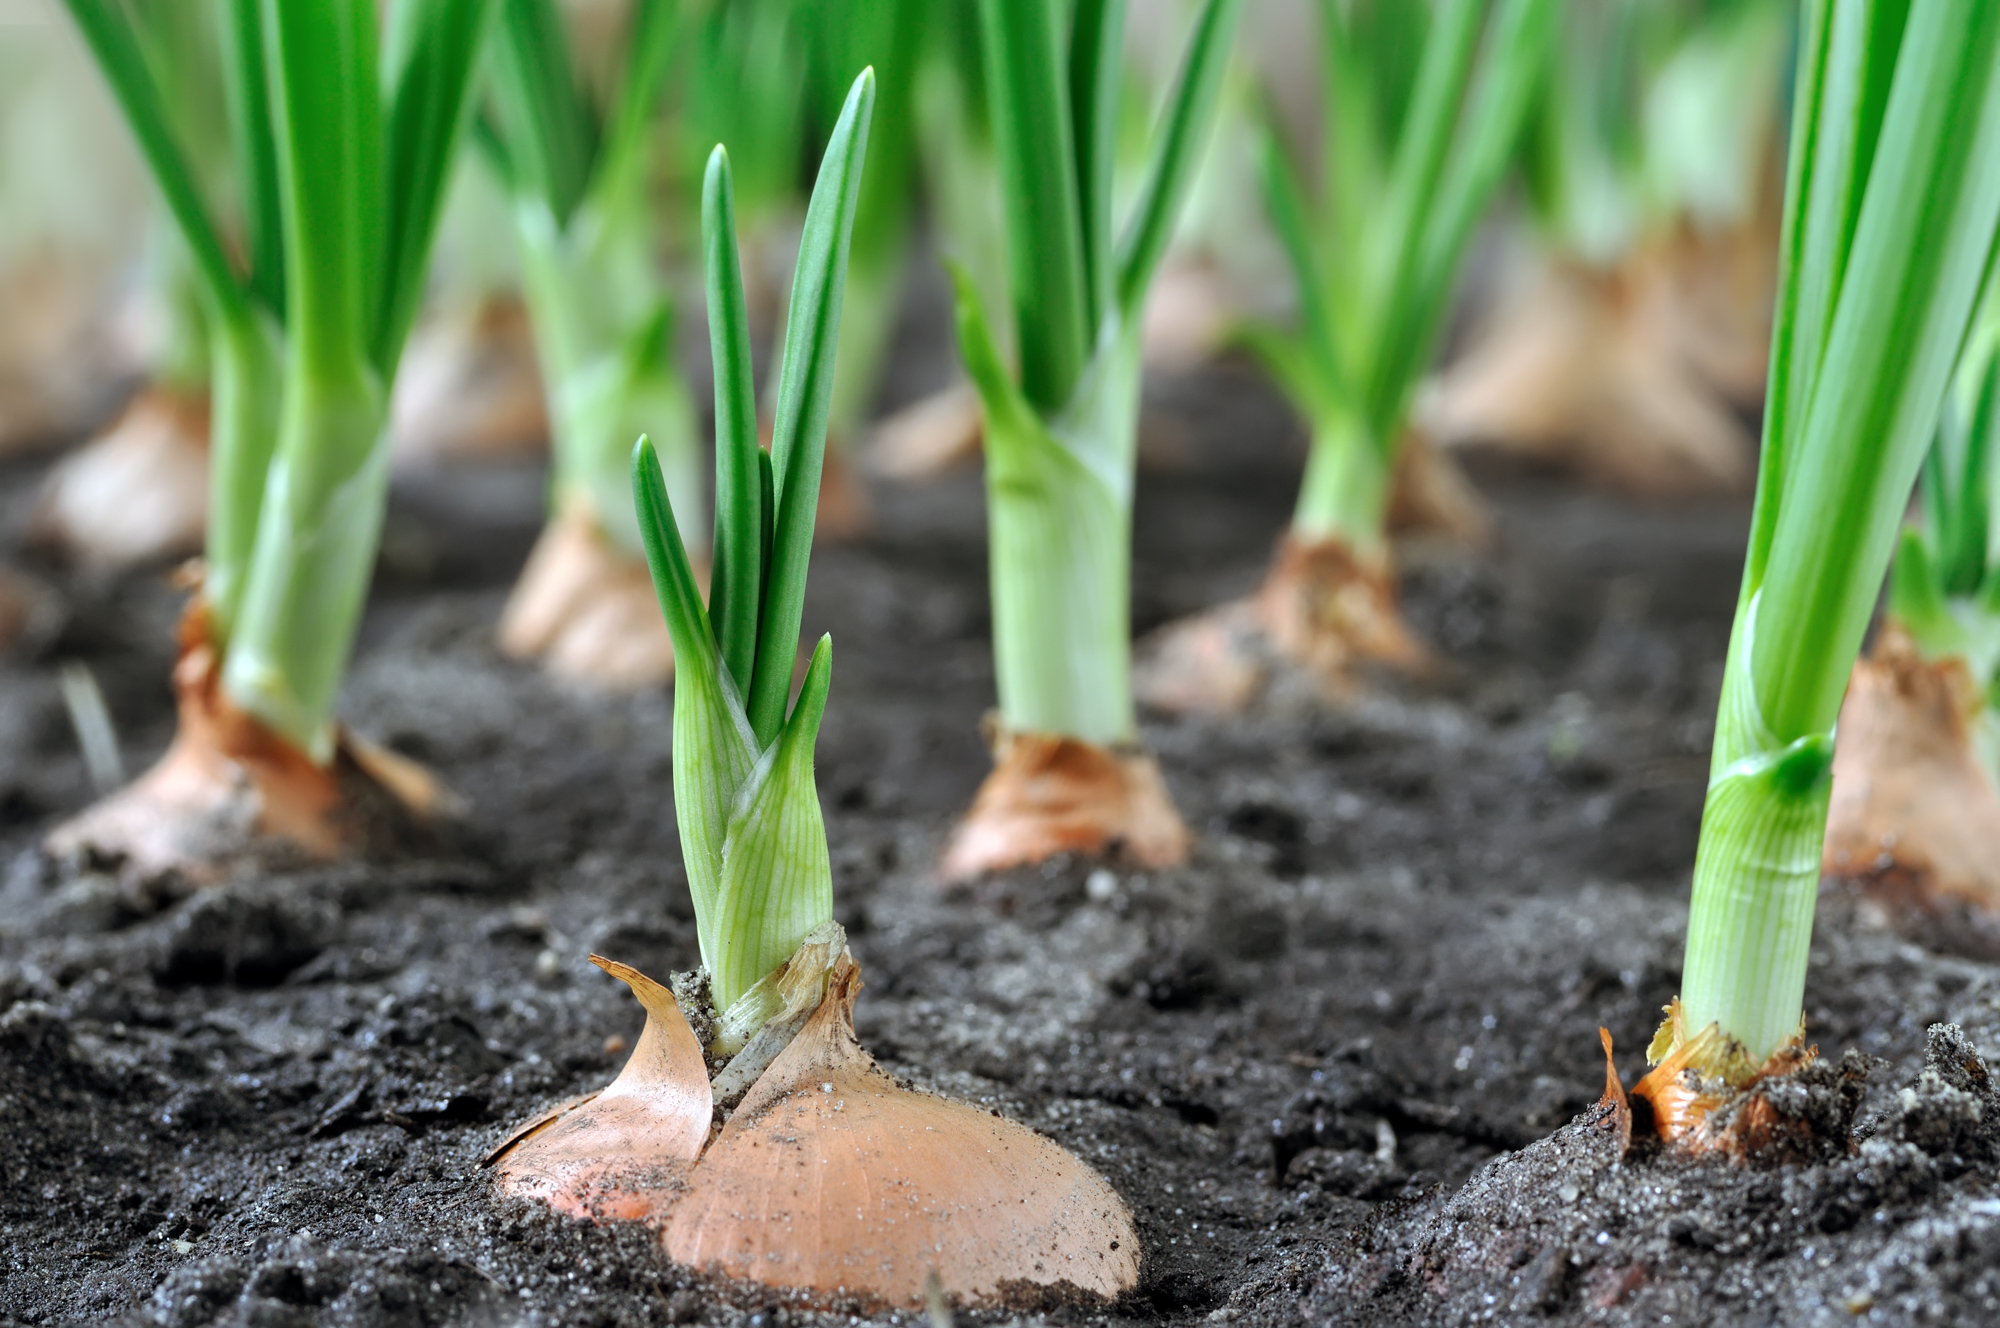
point(1343, 1066)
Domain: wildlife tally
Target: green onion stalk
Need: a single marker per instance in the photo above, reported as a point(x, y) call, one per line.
point(831, 43)
point(137, 493)
point(1061, 432)
point(1892, 203)
point(960, 177)
point(1423, 111)
point(893, 37)
point(603, 324)
point(1634, 331)
point(959, 161)
point(744, 796)
point(1916, 775)
point(182, 45)
point(341, 138)
point(1222, 263)
point(747, 85)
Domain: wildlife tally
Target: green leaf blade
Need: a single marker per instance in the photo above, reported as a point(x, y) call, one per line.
point(736, 579)
point(256, 152)
point(327, 117)
point(551, 137)
point(1093, 96)
point(1923, 243)
point(1519, 44)
point(428, 113)
point(1176, 151)
point(107, 28)
point(714, 750)
point(805, 389)
point(1027, 91)
point(1284, 200)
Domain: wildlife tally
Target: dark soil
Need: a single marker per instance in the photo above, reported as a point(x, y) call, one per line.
point(1342, 1067)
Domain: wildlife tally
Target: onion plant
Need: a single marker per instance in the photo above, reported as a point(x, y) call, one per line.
point(960, 179)
point(1414, 151)
point(1916, 777)
point(1423, 106)
point(136, 493)
point(341, 141)
point(1658, 114)
point(1632, 327)
point(1061, 431)
point(586, 231)
point(749, 813)
point(893, 1213)
point(1891, 207)
point(1944, 585)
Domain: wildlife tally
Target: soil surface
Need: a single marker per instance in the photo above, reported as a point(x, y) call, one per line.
point(1342, 1067)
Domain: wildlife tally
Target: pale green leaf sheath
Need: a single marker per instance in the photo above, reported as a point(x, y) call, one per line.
point(1756, 875)
point(751, 830)
point(1059, 500)
point(601, 332)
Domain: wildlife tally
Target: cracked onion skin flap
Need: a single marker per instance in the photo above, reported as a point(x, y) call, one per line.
point(622, 1152)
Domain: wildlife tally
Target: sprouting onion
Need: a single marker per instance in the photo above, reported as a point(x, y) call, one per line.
point(1944, 585)
point(602, 317)
point(1916, 775)
point(1892, 203)
point(1631, 331)
point(1423, 107)
point(751, 831)
point(911, 1196)
point(339, 163)
point(1414, 151)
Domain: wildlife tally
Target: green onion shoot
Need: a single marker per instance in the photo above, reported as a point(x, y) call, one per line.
point(1916, 774)
point(1629, 338)
point(1892, 203)
point(603, 323)
point(341, 138)
point(1415, 148)
point(749, 814)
